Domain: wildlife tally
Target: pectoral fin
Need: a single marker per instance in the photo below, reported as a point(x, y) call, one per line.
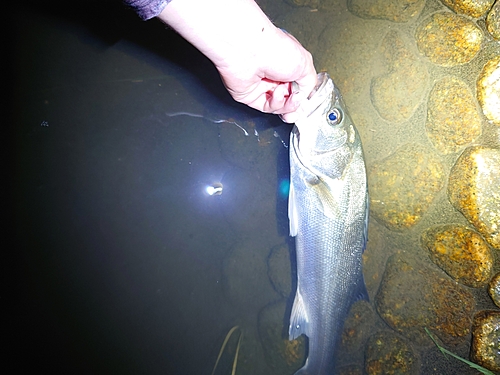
point(329, 204)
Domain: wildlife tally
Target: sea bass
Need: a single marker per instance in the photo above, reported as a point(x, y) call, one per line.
point(328, 213)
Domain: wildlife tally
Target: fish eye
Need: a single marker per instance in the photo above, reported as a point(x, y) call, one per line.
point(334, 117)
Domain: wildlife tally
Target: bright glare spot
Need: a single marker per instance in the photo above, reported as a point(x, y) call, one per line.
point(215, 189)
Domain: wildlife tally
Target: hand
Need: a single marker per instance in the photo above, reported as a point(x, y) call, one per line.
point(265, 83)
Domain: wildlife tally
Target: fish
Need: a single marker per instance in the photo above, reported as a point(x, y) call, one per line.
point(328, 209)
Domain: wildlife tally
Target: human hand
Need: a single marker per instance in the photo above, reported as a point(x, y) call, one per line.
point(265, 83)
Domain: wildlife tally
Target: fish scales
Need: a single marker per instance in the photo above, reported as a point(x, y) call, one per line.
point(328, 212)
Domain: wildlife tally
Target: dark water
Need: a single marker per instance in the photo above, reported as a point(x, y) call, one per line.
point(119, 252)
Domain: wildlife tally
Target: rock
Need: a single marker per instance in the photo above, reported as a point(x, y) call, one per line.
point(453, 119)
point(412, 295)
point(461, 253)
point(475, 8)
point(304, 3)
point(248, 201)
point(488, 90)
point(494, 289)
point(349, 62)
point(486, 339)
point(473, 190)
point(448, 40)
point(278, 269)
point(282, 355)
point(397, 94)
point(356, 328)
point(304, 25)
point(242, 281)
point(387, 353)
point(493, 21)
point(403, 186)
point(350, 370)
point(392, 10)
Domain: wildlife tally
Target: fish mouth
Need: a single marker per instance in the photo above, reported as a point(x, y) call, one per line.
point(323, 78)
point(318, 95)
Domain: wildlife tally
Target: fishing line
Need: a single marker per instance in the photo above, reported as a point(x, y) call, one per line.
point(209, 119)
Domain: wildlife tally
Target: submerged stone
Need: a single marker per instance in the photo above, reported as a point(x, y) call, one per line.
point(248, 201)
point(304, 3)
point(282, 355)
point(403, 186)
point(350, 370)
point(278, 269)
point(241, 281)
point(473, 189)
point(493, 21)
point(488, 90)
point(392, 10)
point(461, 253)
point(485, 348)
point(472, 8)
point(453, 119)
point(413, 295)
point(449, 40)
point(387, 353)
point(356, 328)
point(494, 289)
point(397, 94)
point(350, 63)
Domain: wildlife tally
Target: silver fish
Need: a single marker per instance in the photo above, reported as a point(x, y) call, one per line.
point(328, 213)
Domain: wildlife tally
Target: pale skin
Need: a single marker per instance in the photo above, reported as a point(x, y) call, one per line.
point(256, 60)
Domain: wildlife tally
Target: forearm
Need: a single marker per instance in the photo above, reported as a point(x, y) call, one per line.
point(223, 30)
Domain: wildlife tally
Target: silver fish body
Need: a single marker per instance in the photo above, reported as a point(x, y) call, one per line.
point(328, 212)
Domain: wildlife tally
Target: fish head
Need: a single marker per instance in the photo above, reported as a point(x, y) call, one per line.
point(324, 123)
point(324, 130)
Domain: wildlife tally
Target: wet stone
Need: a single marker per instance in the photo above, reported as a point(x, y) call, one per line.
point(494, 289)
point(248, 201)
point(304, 3)
point(493, 21)
point(282, 355)
point(356, 328)
point(350, 370)
point(412, 295)
point(397, 94)
point(349, 63)
point(473, 190)
point(488, 90)
point(403, 186)
point(453, 119)
point(448, 40)
point(241, 270)
point(278, 269)
point(472, 8)
point(392, 10)
point(387, 353)
point(485, 349)
point(461, 253)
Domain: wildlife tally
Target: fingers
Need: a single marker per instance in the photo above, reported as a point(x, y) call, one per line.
point(277, 99)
